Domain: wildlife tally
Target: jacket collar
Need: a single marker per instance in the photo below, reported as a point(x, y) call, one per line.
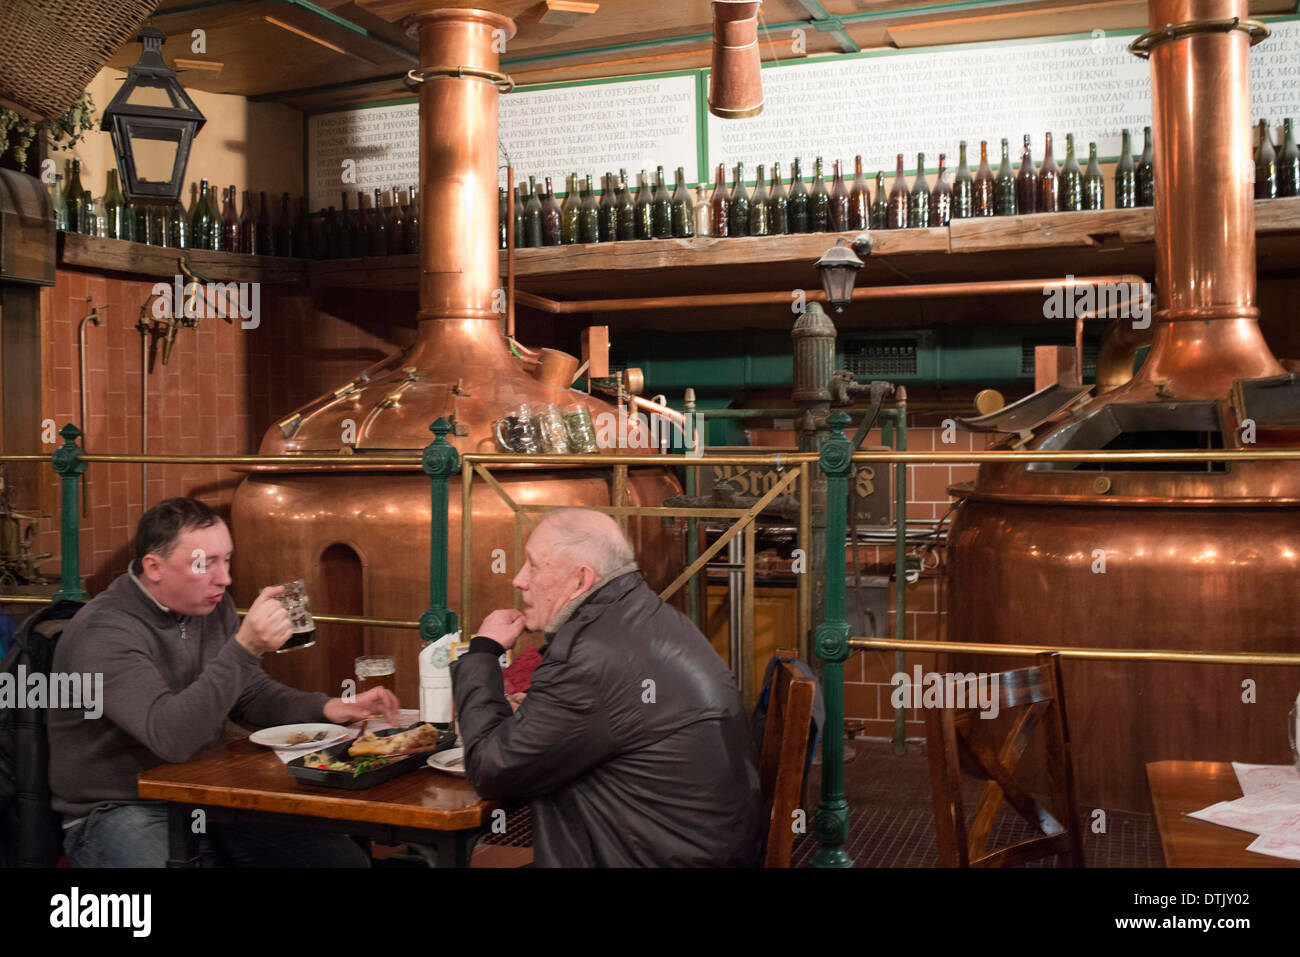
point(145, 599)
point(588, 607)
point(576, 602)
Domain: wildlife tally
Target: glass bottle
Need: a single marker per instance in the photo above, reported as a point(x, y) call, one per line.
point(501, 217)
point(145, 225)
point(1094, 186)
point(721, 204)
point(231, 240)
point(839, 201)
point(333, 233)
point(819, 202)
point(899, 198)
point(413, 220)
point(645, 218)
point(1146, 172)
point(963, 187)
point(760, 214)
point(1288, 163)
point(361, 220)
point(984, 184)
point(60, 202)
point(738, 210)
point(300, 239)
point(703, 212)
point(178, 227)
point(247, 231)
point(115, 211)
point(608, 210)
point(589, 215)
point(918, 201)
point(128, 221)
point(626, 208)
point(1027, 182)
point(76, 200)
point(1004, 185)
point(778, 205)
point(683, 212)
point(532, 216)
point(516, 214)
point(799, 214)
point(347, 231)
point(1125, 175)
point(661, 208)
point(199, 226)
point(859, 198)
point(98, 217)
point(264, 242)
point(552, 229)
point(880, 205)
point(396, 222)
point(569, 211)
point(215, 235)
point(1049, 180)
point(378, 232)
point(941, 197)
point(1265, 164)
point(1071, 200)
point(282, 230)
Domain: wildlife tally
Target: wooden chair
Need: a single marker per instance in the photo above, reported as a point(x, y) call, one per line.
point(785, 753)
point(1029, 697)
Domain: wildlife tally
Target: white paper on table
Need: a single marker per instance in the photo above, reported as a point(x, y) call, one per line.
point(1275, 848)
point(1273, 811)
point(435, 679)
point(1257, 777)
point(407, 717)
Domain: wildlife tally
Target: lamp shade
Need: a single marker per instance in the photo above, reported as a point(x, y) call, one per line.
point(153, 122)
point(839, 268)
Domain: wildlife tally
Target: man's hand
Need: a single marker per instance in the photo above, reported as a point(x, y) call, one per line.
point(266, 626)
point(504, 626)
point(375, 701)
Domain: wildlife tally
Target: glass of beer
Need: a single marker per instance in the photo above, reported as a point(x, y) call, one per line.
point(374, 671)
point(294, 600)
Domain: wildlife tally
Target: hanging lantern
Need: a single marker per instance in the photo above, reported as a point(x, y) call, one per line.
point(735, 80)
point(153, 122)
point(839, 267)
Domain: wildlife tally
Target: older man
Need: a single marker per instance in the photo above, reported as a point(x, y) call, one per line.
point(631, 743)
point(176, 663)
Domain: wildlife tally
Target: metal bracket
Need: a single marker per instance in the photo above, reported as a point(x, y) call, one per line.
point(502, 81)
point(1143, 45)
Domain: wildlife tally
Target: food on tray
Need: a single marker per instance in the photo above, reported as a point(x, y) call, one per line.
point(323, 762)
point(421, 736)
point(298, 737)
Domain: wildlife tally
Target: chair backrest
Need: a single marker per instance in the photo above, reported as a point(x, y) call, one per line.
point(783, 758)
point(1028, 698)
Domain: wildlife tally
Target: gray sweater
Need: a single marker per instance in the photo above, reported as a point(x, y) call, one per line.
point(169, 685)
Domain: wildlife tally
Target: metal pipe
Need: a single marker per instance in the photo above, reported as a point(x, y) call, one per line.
point(805, 543)
point(510, 252)
point(1084, 654)
point(747, 690)
point(1119, 347)
point(93, 317)
point(900, 562)
point(144, 417)
point(1000, 287)
point(735, 604)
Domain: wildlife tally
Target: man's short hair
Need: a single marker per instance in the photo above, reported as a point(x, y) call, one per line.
point(163, 524)
point(591, 538)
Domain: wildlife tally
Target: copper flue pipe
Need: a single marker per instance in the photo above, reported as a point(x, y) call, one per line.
point(458, 162)
point(929, 290)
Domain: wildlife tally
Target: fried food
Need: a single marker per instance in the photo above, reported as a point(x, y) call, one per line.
point(421, 736)
point(298, 737)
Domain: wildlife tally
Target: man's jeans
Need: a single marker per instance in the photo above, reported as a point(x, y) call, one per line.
point(135, 835)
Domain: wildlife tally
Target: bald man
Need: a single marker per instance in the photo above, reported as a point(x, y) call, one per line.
point(631, 743)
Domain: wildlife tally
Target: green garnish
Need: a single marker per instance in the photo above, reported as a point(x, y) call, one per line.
point(361, 765)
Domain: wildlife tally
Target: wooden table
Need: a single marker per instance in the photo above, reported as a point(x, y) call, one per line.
point(1179, 787)
point(239, 781)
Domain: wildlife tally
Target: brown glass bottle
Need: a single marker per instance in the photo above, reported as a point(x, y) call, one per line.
point(247, 233)
point(880, 204)
point(1027, 182)
point(799, 213)
point(738, 210)
point(379, 225)
point(984, 192)
point(397, 224)
point(760, 222)
point(721, 203)
point(898, 198)
point(839, 202)
point(819, 201)
point(941, 197)
point(1288, 162)
point(1049, 180)
point(264, 241)
point(552, 232)
point(859, 198)
point(230, 238)
point(1004, 185)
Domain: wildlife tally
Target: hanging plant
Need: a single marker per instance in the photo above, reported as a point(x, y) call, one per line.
point(18, 132)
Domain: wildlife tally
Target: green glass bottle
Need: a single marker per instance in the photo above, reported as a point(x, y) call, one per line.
point(799, 212)
point(145, 231)
point(626, 208)
point(516, 212)
point(683, 208)
point(1146, 173)
point(661, 207)
point(1094, 186)
point(502, 226)
point(608, 210)
point(532, 216)
point(738, 212)
point(1265, 164)
point(963, 188)
point(115, 211)
point(645, 220)
point(1004, 185)
point(60, 203)
point(918, 199)
point(569, 211)
point(1288, 163)
point(760, 223)
point(778, 205)
point(200, 227)
point(1125, 175)
point(880, 205)
point(77, 201)
point(589, 215)
point(552, 218)
point(819, 201)
point(178, 227)
point(1071, 200)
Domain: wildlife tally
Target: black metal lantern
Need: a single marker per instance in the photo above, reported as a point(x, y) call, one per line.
point(153, 124)
point(839, 268)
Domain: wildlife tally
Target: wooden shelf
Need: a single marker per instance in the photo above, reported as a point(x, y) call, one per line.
point(118, 256)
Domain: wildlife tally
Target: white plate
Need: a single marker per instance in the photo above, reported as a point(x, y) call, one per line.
point(451, 761)
point(275, 737)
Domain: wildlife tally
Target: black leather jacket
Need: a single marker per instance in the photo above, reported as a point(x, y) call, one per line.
point(632, 744)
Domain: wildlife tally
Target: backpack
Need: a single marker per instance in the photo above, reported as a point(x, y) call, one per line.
point(31, 833)
point(758, 721)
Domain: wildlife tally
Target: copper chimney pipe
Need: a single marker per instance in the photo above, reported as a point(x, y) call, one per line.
point(1207, 331)
point(735, 79)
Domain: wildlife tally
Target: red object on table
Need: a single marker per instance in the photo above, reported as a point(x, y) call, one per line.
point(519, 676)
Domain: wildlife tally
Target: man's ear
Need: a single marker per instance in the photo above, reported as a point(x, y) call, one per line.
point(151, 565)
point(587, 577)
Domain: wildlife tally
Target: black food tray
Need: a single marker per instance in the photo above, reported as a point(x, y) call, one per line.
point(355, 782)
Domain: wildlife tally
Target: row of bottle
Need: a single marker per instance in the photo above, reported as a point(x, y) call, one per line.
point(1277, 171)
point(548, 430)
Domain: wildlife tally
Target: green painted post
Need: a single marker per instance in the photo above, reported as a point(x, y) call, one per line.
point(440, 462)
point(67, 462)
point(831, 639)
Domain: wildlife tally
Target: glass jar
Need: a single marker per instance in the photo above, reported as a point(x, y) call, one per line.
point(582, 433)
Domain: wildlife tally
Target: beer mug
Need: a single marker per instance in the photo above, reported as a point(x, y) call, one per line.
point(520, 434)
point(294, 600)
point(582, 433)
point(551, 431)
point(1293, 732)
point(374, 671)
